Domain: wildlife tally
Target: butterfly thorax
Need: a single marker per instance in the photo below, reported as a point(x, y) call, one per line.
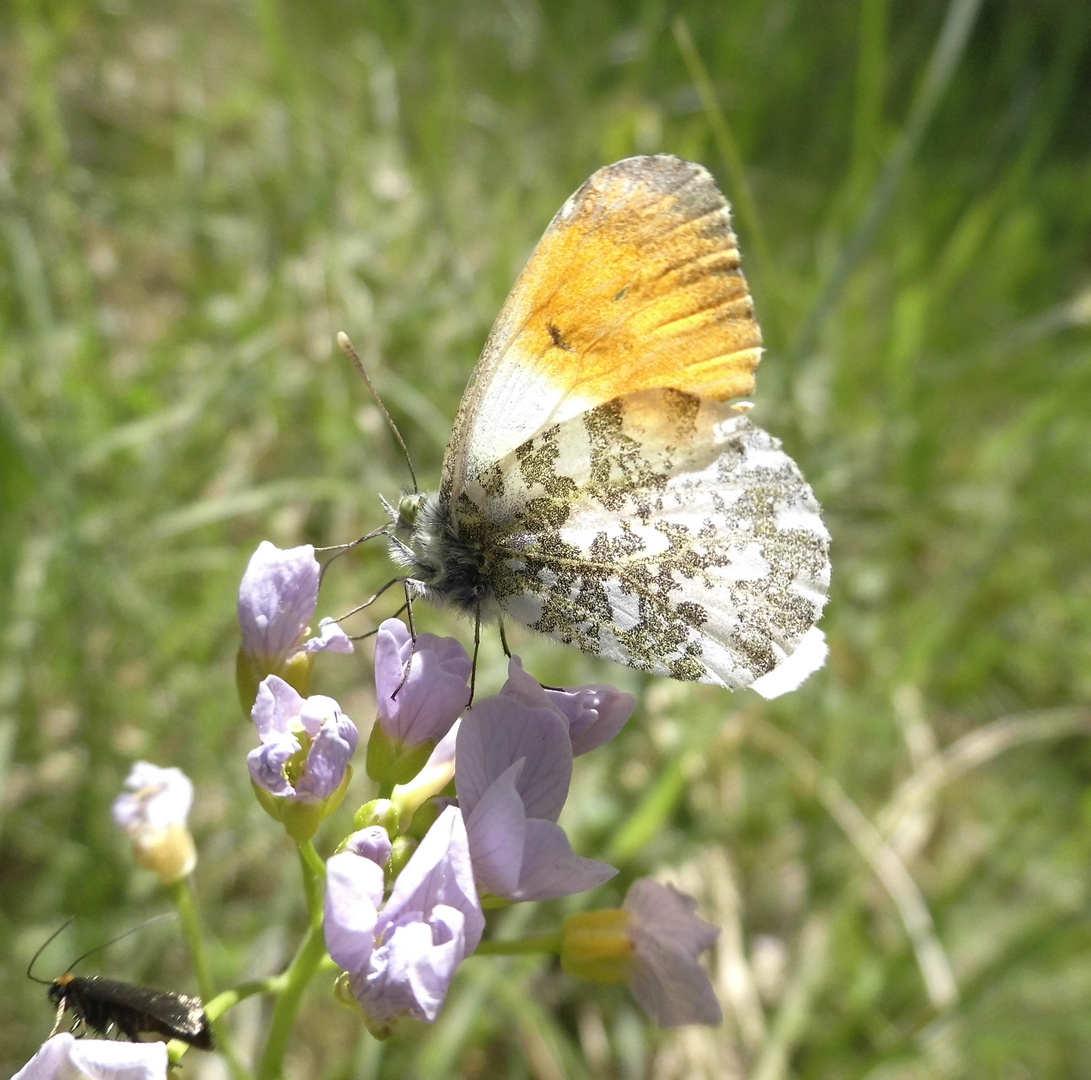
point(444, 567)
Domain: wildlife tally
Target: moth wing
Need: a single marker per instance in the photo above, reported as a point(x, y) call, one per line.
point(666, 532)
point(183, 1012)
point(634, 285)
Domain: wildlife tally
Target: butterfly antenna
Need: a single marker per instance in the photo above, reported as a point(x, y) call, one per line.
point(350, 352)
point(41, 949)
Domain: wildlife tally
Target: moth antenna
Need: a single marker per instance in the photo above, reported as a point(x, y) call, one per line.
point(41, 949)
point(350, 352)
point(114, 940)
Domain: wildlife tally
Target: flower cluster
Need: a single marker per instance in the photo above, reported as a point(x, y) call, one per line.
point(406, 893)
point(465, 819)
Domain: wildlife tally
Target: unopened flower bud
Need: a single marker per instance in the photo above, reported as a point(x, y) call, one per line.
point(277, 600)
point(381, 812)
point(153, 811)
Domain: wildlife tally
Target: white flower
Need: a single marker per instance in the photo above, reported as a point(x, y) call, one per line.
point(64, 1057)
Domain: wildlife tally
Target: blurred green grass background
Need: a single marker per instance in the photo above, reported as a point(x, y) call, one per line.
point(195, 197)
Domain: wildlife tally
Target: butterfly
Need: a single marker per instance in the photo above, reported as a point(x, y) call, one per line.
point(603, 484)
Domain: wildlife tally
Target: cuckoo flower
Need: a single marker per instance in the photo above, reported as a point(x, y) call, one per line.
point(595, 714)
point(277, 600)
point(400, 958)
point(513, 771)
point(652, 942)
point(421, 687)
point(371, 843)
point(64, 1057)
point(300, 772)
point(153, 811)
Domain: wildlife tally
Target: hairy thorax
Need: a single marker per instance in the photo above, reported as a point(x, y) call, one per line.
point(445, 567)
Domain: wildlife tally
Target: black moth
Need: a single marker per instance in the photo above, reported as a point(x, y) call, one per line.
point(106, 1005)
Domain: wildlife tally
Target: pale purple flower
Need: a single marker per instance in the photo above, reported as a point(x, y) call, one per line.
point(153, 811)
point(666, 979)
point(330, 638)
point(154, 798)
point(419, 704)
point(513, 769)
point(401, 958)
point(64, 1057)
point(595, 714)
point(306, 743)
point(277, 600)
point(371, 843)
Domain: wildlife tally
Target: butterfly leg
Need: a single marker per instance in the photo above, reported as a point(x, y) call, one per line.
point(477, 646)
point(407, 585)
point(504, 639)
point(367, 603)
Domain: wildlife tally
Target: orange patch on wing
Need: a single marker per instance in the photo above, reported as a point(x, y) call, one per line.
point(635, 285)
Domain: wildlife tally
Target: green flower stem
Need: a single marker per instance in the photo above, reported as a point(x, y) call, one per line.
point(274, 984)
point(314, 879)
point(303, 967)
point(541, 943)
point(215, 1008)
point(181, 893)
point(308, 959)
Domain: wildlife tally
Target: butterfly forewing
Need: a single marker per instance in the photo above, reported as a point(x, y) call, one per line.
point(635, 284)
point(661, 530)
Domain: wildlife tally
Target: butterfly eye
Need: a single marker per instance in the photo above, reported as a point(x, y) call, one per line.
point(408, 510)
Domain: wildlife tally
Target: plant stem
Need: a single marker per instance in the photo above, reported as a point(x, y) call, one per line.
point(540, 943)
point(306, 962)
point(302, 969)
point(181, 893)
point(314, 877)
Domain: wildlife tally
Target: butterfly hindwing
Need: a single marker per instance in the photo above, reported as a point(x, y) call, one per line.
point(660, 530)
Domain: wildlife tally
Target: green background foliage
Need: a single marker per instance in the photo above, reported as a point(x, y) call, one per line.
point(195, 197)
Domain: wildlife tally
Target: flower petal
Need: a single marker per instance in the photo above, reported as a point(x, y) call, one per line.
point(497, 835)
point(64, 1057)
point(277, 704)
point(330, 638)
point(371, 843)
point(595, 714)
point(439, 872)
point(156, 798)
point(668, 982)
point(333, 746)
point(266, 764)
point(499, 731)
point(354, 890)
point(277, 598)
point(419, 704)
point(551, 868)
